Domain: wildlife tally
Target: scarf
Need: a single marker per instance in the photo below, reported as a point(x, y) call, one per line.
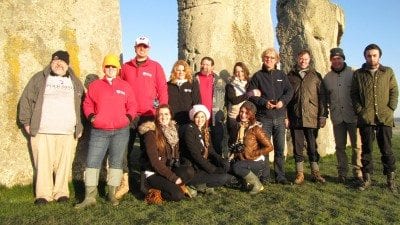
point(171, 135)
point(242, 129)
point(180, 82)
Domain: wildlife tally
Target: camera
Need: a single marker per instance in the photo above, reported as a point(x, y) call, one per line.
point(236, 147)
point(173, 163)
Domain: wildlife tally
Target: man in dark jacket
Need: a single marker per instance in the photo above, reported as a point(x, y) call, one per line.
point(275, 94)
point(50, 112)
point(307, 112)
point(374, 93)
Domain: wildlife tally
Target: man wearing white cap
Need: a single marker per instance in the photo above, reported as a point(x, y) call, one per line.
point(149, 85)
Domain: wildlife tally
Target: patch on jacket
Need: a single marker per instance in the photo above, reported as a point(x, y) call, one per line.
point(146, 74)
point(147, 126)
point(120, 92)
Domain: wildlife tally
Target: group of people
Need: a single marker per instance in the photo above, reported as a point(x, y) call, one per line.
point(181, 123)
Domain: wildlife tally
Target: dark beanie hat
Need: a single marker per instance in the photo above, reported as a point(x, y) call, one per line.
point(62, 55)
point(249, 106)
point(337, 52)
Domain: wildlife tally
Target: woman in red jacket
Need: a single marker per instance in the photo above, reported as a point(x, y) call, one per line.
point(110, 106)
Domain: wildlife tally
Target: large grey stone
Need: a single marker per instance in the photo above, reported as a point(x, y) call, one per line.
point(317, 25)
point(30, 32)
point(227, 30)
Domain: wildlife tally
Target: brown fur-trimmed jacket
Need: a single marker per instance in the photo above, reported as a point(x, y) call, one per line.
point(256, 142)
point(154, 161)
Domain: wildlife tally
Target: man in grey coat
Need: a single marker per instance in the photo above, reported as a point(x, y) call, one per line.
point(338, 83)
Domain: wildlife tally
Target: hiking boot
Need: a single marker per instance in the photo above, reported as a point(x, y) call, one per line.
point(316, 177)
point(390, 182)
point(299, 178)
point(366, 182)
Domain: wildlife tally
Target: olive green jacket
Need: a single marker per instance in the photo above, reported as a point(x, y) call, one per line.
point(374, 96)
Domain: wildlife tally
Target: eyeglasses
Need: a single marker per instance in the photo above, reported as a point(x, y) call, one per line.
point(110, 66)
point(269, 57)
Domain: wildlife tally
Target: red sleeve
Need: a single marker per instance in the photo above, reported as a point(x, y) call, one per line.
point(162, 89)
point(131, 104)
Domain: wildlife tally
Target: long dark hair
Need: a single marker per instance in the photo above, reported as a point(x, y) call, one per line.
point(161, 142)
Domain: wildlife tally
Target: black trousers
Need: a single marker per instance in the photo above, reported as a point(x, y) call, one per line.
point(383, 136)
point(298, 137)
point(211, 179)
point(169, 190)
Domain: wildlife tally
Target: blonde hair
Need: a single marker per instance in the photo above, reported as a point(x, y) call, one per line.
point(270, 50)
point(188, 71)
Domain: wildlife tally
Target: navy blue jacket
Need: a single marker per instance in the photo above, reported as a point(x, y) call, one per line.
point(274, 85)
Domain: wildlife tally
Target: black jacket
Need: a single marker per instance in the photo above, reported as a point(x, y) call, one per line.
point(274, 85)
point(193, 148)
point(181, 99)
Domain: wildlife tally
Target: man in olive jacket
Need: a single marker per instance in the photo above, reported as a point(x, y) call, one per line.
point(374, 94)
point(307, 112)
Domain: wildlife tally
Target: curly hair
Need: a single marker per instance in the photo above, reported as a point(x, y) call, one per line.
point(250, 113)
point(188, 71)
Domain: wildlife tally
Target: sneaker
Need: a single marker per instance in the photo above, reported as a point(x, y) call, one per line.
point(41, 201)
point(63, 199)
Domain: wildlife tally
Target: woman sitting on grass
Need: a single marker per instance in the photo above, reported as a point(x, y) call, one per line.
point(210, 168)
point(250, 157)
point(164, 169)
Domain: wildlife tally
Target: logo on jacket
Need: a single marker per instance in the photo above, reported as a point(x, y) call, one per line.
point(146, 74)
point(187, 90)
point(120, 92)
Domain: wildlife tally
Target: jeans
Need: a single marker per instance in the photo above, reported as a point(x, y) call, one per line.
point(310, 136)
point(340, 132)
point(277, 129)
point(384, 139)
point(115, 141)
point(244, 167)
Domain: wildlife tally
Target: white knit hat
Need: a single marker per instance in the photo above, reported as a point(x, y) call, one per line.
point(199, 108)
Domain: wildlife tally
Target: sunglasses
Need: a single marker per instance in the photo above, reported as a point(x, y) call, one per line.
point(110, 66)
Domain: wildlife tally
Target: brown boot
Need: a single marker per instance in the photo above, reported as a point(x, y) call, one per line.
point(123, 188)
point(299, 178)
point(316, 177)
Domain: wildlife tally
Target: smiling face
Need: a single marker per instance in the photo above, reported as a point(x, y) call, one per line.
point(110, 71)
point(269, 60)
point(142, 52)
point(239, 73)
point(337, 62)
point(59, 67)
point(303, 61)
point(200, 119)
point(180, 72)
point(206, 67)
point(164, 116)
point(244, 114)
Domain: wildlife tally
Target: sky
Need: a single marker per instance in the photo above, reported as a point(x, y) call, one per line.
point(366, 21)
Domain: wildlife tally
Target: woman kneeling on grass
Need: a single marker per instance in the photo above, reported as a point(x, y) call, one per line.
point(255, 145)
point(210, 168)
point(164, 170)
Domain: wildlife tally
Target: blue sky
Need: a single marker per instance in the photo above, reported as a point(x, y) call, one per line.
point(367, 21)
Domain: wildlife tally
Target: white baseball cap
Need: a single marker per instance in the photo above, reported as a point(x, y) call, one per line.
point(142, 40)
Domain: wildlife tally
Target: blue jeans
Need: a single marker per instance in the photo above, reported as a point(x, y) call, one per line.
point(243, 167)
point(276, 128)
point(115, 141)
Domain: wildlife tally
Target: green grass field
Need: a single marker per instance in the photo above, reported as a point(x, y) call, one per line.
point(311, 203)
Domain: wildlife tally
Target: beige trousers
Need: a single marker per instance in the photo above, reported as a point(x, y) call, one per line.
point(53, 155)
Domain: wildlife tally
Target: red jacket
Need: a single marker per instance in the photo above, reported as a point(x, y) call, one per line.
point(113, 106)
point(148, 82)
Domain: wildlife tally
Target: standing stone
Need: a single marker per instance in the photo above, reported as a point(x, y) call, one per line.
point(227, 30)
point(30, 32)
point(316, 25)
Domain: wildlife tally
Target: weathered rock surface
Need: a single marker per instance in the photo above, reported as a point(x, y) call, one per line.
point(317, 25)
point(227, 30)
point(30, 32)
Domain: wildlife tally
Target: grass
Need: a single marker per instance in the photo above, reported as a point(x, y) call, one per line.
point(310, 203)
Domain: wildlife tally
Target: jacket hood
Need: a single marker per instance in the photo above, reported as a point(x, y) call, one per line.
point(146, 127)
